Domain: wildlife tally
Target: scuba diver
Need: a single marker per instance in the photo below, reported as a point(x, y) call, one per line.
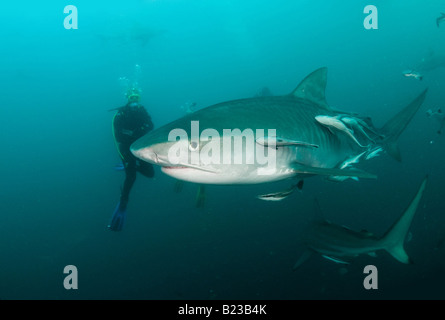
point(130, 122)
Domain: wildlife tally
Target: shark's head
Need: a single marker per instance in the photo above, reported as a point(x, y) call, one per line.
point(209, 156)
point(174, 158)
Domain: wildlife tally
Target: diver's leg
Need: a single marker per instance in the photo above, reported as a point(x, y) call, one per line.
point(119, 214)
point(130, 178)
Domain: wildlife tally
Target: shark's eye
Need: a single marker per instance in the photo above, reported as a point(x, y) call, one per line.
point(193, 146)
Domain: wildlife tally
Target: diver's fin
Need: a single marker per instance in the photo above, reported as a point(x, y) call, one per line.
point(304, 257)
point(394, 238)
point(118, 218)
point(313, 88)
point(395, 126)
point(333, 172)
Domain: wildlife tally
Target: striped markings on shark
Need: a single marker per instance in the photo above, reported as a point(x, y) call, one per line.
point(340, 244)
point(304, 146)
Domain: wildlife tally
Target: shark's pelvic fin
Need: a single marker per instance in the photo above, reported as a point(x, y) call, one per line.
point(313, 88)
point(395, 126)
point(394, 238)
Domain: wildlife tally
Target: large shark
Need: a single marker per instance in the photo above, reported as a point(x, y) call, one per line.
point(265, 139)
point(339, 243)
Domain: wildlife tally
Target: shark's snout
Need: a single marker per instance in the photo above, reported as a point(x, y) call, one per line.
point(146, 154)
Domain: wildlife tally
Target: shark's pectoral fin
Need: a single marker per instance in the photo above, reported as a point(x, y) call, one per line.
point(302, 169)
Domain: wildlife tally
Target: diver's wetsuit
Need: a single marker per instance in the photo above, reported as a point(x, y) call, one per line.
point(129, 124)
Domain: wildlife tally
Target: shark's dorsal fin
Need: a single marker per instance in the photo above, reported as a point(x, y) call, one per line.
point(313, 88)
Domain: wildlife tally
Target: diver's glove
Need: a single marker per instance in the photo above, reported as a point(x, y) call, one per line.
point(118, 219)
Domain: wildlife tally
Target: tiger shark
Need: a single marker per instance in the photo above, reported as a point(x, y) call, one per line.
point(339, 243)
point(265, 139)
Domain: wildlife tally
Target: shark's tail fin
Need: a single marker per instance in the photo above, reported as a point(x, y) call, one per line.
point(394, 238)
point(395, 126)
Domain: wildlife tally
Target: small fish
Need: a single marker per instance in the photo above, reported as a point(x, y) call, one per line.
point(351, 160)
point(189, 107)
point(374, 153)
point(412, 74)
point(355, 124)
point(333, 122)
point(280, 195)
point(345, 164)
point(281, 142)
point(341, 178)
point(334, 259)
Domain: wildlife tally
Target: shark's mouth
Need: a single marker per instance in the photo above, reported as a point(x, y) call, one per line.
point(173, 168)
point(148, 155)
